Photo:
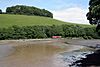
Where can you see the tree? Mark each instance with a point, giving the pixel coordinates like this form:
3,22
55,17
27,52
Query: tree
28,10
94,13
0,11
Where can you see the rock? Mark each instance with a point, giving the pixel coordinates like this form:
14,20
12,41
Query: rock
90,60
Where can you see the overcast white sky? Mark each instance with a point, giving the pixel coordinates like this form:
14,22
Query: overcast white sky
73,14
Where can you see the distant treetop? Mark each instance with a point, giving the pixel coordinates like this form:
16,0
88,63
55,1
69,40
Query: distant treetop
0,11
28,10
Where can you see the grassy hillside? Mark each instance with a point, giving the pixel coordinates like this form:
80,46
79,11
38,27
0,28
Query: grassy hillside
51,28
7,20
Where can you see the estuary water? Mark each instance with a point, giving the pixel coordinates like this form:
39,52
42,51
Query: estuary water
37,54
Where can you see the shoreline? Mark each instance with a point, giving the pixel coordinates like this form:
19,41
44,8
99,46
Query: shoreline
55,42
20,46
29,41
81,42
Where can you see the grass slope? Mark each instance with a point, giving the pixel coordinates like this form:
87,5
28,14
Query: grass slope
7,20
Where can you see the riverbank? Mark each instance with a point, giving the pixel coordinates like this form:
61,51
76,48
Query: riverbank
43,52
30,41
34,53
56,42
72,42
77,41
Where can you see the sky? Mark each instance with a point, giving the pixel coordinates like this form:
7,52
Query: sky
65,10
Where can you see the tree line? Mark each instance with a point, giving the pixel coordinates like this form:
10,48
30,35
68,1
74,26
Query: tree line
32,32
28,10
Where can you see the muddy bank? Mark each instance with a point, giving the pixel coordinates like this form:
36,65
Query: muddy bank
81,42
34,53
91,60
87,59
43,52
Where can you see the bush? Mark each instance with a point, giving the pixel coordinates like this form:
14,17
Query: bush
99,32
30,32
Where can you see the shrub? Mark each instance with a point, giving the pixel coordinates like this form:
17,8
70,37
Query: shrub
30,32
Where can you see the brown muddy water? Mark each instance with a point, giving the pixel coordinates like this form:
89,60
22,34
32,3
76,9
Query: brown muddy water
38,54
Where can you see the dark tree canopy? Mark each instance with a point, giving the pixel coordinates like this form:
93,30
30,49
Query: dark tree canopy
0,11
94,12
28,10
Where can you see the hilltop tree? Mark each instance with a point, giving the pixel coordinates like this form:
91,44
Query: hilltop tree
94,13
0,11
28,10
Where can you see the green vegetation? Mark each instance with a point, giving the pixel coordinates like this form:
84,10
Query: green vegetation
0,11
28,10
30,32
25,22
7,20
94,13
29,27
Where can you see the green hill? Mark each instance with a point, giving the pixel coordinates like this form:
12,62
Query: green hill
7,20
49,29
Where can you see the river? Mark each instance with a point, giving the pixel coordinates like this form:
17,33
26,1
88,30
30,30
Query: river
37,53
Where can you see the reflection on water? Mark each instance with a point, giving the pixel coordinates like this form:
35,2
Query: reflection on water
70,57
31,55
39,54
5,50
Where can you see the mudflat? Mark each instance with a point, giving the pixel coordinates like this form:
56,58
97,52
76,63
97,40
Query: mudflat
37,53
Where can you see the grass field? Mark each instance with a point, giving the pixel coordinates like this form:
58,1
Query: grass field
7,20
